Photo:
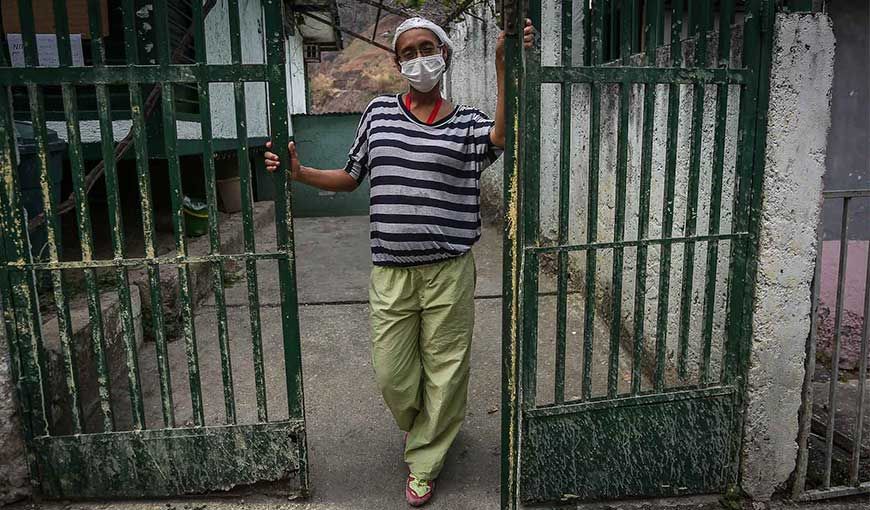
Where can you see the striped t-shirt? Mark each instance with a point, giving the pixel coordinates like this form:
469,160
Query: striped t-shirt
425,180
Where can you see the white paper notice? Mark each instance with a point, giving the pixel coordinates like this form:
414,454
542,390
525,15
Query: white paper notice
46,49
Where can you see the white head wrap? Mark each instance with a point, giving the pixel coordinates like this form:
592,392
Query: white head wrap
412,23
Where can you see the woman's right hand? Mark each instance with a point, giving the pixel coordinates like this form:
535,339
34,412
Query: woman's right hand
272,161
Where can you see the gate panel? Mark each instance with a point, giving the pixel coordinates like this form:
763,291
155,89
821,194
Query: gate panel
626,295
88,428
616,448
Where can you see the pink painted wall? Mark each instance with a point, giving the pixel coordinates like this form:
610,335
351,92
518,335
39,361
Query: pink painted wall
853,301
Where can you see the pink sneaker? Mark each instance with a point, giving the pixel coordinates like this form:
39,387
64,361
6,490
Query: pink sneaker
418,492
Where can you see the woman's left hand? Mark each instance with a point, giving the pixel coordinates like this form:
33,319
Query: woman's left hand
528,41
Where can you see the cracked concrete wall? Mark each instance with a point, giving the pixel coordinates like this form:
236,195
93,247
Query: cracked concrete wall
799,119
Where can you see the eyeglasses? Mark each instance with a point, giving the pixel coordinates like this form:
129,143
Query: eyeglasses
425,50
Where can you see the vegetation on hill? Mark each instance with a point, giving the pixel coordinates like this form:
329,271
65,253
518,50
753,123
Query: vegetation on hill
347,80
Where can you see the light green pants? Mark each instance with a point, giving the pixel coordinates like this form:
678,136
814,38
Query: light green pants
422,319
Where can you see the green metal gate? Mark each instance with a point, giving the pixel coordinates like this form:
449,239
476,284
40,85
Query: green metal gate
630,381
161,456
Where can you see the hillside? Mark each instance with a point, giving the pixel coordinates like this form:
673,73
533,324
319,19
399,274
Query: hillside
347,80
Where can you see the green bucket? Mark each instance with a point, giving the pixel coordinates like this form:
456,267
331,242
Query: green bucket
195,217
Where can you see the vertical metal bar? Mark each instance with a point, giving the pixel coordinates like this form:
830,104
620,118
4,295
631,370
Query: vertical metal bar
597,55
511,259
613,30
806,409
652,42
25,327
757,56
742,194
530,211
70,363
28,32
726,12
624,26
635,26
766,23
714,224
652,29
61,31
700,10
618,233
247,212
24,369
857,444
279,121
668,202
692,16
170,141
116,222
585,13
564,204
752,128
377,20
724,50
25,343
217,267
835,356
52,226
140,146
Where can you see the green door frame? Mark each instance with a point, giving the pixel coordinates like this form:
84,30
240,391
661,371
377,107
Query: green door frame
535,439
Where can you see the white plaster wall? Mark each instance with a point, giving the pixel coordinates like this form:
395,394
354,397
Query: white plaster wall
800,116
295,75
217,31
471,80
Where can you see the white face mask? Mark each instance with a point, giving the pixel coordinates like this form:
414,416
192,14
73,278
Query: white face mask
425,72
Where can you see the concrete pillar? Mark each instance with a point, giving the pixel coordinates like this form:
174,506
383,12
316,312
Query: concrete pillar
799,118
